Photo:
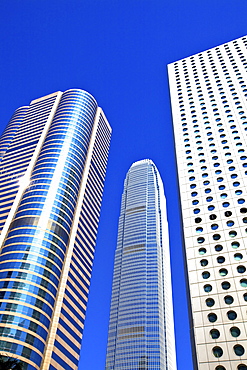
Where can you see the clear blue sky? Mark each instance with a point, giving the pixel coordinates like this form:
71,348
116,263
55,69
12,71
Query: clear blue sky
118,51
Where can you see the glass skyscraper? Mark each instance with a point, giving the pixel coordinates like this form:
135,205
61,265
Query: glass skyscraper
208,97
141,330
53,157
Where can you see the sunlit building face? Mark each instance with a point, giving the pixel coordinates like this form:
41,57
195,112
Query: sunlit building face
141,332
53,157
208,97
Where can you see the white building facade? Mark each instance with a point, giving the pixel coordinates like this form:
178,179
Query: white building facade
208,97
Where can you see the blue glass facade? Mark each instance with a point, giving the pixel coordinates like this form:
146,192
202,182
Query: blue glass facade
43,300
141,333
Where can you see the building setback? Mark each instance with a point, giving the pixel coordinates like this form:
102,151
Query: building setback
141,330
208,97
53,157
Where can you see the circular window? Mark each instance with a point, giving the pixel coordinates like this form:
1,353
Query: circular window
198,220
211,208
234,176
194,202
192,178
196,211
220,368
207,191
219,179
228,299
225,285
205,274
222,187
232,233
209,199
212,317
200,240
221,259
236,183
207,288
243,283
235,332
230,223
241,201
225,204
214,227
228,213
231,315
206,182
242,367
218,248
210,302
238,256
202,250
235,245
245,296
245,220
199,229
204,175
194,193
239,350
238,192
204,262
243,210
216,236
214,333
217,351
212,217
223,195
241,269
223,272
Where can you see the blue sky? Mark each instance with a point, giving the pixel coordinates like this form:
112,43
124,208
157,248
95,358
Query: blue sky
118,51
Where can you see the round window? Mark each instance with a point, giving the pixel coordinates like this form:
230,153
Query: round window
214,333
238,256
205,275
228,299
200,240
235,332
210,302
223,272
207,288
235,245
241,269
231,315
212,317
225,285
243,283
217,351
216,236
239,350
221,259
242,367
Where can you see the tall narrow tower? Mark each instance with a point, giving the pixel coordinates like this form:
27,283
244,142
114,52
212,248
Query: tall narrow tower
208,97
141,332
53,157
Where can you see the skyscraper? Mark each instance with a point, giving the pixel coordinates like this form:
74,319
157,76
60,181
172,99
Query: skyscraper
208,97
141,333
52,169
